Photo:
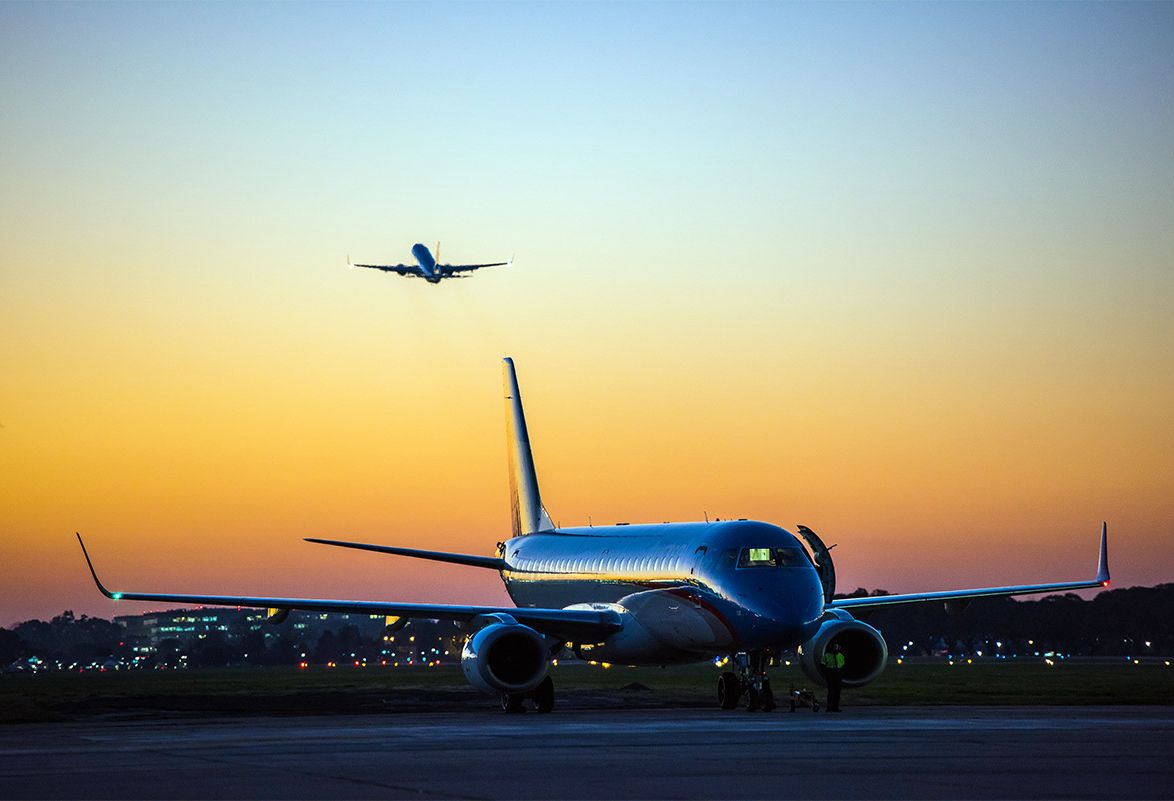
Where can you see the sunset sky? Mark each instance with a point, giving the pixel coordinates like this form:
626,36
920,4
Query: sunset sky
901,273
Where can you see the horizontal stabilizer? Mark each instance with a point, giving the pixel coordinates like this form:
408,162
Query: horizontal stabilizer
491,562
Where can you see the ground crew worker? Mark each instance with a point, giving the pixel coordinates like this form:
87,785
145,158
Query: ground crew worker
833,673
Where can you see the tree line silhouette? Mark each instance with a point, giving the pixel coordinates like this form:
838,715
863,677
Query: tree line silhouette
1137,621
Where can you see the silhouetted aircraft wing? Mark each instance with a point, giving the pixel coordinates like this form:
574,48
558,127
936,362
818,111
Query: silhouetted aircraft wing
448,269
1101,580
400,269
569,624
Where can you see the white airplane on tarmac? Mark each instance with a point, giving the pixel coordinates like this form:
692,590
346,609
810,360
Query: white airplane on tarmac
427,267
640,594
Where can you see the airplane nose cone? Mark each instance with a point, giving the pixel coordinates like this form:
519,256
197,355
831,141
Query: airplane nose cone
785,609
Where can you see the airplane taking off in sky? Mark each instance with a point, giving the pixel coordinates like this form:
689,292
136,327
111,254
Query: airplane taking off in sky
428,268
640,594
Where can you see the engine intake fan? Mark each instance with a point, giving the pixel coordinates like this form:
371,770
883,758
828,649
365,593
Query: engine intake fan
506,658
864,649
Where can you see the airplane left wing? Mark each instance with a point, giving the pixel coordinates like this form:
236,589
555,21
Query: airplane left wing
964,596
567,624
400,269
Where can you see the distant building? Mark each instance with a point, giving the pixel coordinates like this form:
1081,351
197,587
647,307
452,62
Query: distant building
421,642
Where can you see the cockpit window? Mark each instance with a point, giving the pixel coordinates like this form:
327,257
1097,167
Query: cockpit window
770,557
757,557
791,557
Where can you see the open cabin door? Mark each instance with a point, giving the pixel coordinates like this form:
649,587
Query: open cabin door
822,558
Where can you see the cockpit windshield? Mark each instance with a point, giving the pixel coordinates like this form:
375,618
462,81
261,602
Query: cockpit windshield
770,557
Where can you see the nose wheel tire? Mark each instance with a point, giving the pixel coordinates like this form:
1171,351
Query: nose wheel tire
767,697
753,699
729,690
512,703
750,682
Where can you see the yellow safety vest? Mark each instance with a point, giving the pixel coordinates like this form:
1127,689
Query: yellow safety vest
833,660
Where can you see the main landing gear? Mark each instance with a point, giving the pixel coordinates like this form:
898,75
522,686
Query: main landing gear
751,682
541,696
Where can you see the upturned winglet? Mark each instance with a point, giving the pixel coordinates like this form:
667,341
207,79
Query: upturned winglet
114,596
1103,562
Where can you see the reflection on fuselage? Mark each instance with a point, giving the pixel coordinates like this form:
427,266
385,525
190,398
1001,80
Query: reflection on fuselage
773,600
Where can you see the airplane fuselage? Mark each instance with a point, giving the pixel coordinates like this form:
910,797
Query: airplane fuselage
689,588
427,264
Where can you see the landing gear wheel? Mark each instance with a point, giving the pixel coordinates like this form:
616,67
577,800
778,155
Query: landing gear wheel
753,699
768,697
729,690
544,695
512,704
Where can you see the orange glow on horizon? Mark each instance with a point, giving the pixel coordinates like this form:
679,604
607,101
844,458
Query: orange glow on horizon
934,325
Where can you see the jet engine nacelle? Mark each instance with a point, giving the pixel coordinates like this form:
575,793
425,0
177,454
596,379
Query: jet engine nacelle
505,658
864,649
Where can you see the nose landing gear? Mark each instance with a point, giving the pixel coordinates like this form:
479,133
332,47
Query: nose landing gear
750,682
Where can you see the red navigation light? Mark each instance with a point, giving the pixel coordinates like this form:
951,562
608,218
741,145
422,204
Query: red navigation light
1105,583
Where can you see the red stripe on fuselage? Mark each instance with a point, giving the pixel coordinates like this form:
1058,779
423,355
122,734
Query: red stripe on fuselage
696,598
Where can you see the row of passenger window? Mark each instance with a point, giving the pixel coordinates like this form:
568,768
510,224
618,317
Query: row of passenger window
604,565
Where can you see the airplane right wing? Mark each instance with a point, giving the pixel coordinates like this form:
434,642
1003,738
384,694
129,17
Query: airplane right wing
964,596
449,269
578,625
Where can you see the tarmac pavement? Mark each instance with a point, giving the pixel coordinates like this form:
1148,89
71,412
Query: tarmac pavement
870,752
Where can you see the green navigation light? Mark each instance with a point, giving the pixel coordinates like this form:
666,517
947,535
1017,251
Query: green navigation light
118,596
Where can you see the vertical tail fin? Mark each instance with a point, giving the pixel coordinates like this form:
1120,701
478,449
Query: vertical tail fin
525,502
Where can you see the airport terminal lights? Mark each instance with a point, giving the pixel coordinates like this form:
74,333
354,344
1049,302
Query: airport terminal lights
309,637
